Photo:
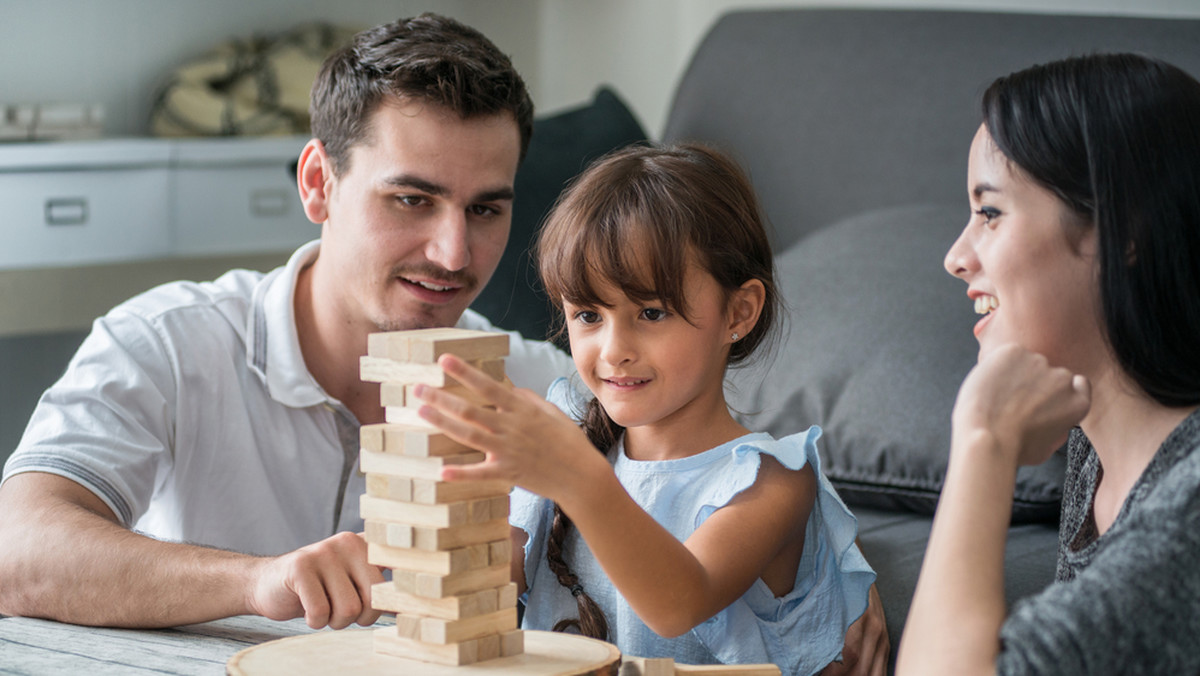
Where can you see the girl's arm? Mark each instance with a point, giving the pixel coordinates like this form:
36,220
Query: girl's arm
671,585
1012,409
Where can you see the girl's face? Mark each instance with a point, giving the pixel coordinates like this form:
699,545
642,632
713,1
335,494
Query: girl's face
1030,268
648,365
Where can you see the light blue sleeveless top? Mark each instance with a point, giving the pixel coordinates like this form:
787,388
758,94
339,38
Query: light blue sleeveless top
801,632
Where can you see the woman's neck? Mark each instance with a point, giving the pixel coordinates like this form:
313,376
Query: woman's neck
1126,427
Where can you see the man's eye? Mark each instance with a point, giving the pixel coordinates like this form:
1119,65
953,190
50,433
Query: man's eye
484,210
411,200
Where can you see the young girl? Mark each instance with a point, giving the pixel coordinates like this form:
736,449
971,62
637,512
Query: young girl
1082,256
686,536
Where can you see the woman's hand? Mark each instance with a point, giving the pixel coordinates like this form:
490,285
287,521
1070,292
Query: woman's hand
528,441
1026,405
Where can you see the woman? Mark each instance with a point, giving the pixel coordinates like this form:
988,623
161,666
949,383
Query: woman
1083,256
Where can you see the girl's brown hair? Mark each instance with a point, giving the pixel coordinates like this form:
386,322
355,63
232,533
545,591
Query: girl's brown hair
636,219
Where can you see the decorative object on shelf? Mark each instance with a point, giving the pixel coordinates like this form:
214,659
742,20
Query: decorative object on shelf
258,86
51,121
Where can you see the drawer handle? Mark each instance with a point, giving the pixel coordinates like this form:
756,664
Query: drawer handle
66,211
269,202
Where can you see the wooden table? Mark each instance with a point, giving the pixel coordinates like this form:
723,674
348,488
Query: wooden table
30,646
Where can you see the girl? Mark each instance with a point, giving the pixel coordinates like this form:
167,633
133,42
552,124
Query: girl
686,536
1082,255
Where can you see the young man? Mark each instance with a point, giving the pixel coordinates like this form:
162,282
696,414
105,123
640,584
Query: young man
225,415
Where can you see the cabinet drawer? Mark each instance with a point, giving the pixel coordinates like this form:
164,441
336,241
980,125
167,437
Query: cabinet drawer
55,218
238,209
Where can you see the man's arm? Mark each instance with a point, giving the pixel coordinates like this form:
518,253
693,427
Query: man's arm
64,556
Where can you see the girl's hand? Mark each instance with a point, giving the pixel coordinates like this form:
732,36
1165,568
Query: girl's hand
1022,402
528,441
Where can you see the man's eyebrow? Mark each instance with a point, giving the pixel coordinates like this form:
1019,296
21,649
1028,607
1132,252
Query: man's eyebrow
416,182
497,195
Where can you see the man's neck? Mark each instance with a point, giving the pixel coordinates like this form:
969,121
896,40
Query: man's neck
331,348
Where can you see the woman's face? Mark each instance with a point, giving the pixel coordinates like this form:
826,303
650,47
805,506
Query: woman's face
1029,264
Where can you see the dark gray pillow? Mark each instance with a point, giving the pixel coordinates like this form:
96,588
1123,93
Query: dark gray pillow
877,342
562,146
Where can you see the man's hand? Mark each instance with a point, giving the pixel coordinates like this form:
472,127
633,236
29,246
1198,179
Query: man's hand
867,645
328,583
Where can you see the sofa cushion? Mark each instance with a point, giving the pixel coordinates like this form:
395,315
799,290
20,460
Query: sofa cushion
877,342
562,146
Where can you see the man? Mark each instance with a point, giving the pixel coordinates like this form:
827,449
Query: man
226,414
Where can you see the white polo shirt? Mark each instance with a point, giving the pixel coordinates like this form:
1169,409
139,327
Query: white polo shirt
189,411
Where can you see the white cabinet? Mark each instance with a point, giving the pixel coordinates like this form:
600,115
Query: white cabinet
133,199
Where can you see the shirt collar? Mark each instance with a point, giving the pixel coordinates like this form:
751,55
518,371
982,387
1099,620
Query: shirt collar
273,350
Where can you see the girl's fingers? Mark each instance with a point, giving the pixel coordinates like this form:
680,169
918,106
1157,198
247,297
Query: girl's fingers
475,380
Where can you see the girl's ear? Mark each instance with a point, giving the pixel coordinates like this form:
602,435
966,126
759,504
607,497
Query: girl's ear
745,305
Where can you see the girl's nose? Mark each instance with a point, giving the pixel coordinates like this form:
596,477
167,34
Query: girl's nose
618,347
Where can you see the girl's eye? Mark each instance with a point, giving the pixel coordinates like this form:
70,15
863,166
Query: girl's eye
654,314
586,317
989,214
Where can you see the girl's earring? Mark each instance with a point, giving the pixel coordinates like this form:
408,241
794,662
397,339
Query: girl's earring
734,337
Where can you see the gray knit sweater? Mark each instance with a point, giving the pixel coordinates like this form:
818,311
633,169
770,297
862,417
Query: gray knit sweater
1128,601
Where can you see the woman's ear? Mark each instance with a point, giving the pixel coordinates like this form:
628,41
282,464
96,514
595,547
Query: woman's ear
745,305
314,180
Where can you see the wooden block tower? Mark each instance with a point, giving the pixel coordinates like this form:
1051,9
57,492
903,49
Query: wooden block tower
447,543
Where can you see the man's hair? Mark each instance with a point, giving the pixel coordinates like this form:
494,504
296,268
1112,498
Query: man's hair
428,58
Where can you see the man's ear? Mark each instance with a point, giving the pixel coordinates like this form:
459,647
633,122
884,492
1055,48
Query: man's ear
314,179
745,305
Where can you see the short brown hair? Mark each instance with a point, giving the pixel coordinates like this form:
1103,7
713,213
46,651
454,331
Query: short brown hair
429,57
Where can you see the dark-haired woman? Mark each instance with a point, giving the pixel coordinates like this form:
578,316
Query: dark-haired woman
1083,256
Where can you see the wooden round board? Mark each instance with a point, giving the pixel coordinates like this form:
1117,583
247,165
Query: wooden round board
351,651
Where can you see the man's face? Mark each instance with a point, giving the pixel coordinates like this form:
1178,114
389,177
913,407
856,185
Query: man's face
418,220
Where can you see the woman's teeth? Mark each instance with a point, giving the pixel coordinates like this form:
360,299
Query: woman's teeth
985,304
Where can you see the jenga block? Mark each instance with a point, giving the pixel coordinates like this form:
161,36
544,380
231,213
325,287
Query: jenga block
377,370
421,442
489,647
437,630
437,562
389,487
499,507
506,596
499,552
388,642
408,626
385,596
406,415
424,346
415,514
440,586
512,643
432,492
399,394
416,468
390,534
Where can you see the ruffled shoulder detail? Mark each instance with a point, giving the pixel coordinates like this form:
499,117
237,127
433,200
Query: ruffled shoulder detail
793,452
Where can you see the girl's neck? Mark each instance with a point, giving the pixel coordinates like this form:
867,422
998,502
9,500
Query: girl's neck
684,437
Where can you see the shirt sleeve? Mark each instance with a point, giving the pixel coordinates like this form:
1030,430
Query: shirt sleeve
107,423
1132,611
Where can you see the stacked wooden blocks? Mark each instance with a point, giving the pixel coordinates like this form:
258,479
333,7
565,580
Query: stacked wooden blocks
447,543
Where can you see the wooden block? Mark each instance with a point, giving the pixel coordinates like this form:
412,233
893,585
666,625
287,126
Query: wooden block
440,586
432,492
408,626
424,346
506,596
399,394
436,562
388,642
489,647
420,442
385,596
406,415
437,630
416,468
512,643
390,487
390,534
414,514
648,666
378,370
499,507
499,552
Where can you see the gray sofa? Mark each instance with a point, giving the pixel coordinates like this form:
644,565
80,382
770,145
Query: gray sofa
854,126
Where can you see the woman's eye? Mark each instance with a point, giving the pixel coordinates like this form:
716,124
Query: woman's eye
654,314
989,214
